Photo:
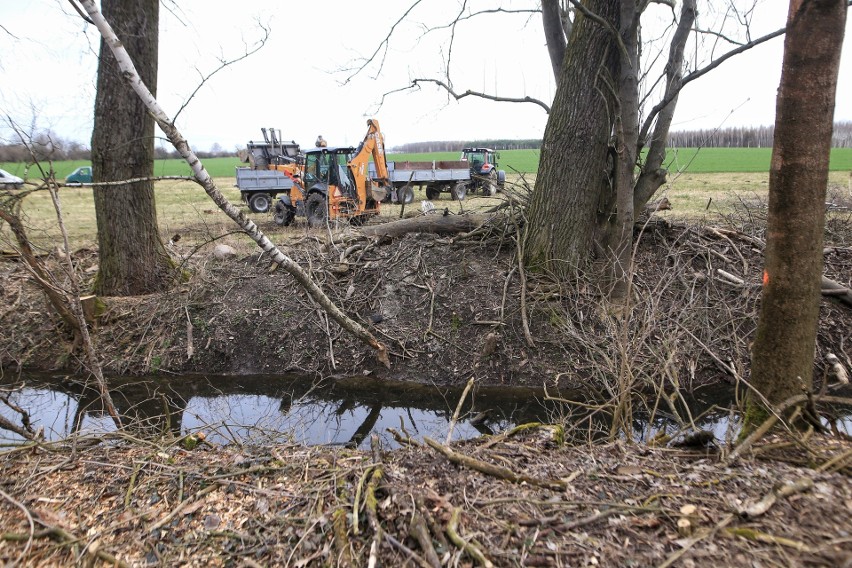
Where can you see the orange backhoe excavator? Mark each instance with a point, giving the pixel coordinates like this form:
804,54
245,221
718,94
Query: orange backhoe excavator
335,183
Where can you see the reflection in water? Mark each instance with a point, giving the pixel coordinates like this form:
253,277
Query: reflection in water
263,410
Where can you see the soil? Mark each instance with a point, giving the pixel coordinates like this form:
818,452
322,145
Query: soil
449,309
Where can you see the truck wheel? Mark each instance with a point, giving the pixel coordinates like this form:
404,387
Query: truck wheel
316,210
432,193
459,191
490,185
283,215
260,202
405,194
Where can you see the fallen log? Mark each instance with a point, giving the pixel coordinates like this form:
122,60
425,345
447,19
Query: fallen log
836,291
432,223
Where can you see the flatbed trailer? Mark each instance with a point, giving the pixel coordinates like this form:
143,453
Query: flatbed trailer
258,188
439,176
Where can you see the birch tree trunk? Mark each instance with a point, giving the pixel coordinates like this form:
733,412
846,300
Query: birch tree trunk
783,351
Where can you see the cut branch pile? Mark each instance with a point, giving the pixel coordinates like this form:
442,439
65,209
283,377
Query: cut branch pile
519,499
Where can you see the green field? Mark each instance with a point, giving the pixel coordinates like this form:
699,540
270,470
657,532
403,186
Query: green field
692,160
685,160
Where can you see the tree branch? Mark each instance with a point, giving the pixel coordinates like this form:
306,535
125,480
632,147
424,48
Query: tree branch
646,126
469,93
223,64
384,43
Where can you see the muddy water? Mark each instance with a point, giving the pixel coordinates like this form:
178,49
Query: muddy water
262,410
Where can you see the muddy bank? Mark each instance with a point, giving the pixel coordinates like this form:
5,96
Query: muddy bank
448,311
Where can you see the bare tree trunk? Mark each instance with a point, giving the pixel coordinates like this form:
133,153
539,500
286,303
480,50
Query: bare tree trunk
132,257
783,351
572,173
653,174
627,136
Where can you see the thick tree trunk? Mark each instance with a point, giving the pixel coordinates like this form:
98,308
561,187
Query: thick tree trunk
572,174
783,351
133,259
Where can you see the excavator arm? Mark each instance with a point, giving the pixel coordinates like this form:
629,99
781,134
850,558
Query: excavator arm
373,145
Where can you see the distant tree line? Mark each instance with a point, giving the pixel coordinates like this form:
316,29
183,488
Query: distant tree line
47,146
748,137
456,145
216,151
44,146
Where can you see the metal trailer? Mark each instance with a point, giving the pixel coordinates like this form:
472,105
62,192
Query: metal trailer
258,188
437,177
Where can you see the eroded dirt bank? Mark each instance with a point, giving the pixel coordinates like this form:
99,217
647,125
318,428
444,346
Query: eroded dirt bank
448,310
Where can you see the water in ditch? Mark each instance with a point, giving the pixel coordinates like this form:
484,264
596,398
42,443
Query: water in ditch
264,409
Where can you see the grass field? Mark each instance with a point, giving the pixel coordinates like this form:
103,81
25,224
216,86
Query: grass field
684,160
184,208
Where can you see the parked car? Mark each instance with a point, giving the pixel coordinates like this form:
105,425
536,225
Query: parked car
80,176
9,181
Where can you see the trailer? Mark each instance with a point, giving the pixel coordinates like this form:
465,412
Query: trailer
436,177
258,188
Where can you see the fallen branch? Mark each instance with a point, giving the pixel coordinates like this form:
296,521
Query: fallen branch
455,417
491,469
761,507
456,538
758,536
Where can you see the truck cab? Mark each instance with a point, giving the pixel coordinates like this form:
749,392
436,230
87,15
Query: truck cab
80,176
483,169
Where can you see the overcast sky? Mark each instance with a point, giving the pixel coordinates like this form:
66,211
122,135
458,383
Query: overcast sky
297,82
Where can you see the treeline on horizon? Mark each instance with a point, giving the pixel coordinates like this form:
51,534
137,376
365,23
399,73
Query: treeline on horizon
731,137
46,146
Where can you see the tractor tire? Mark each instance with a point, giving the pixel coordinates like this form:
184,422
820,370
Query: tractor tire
316,210
283,215
489,186
260,202
459,191
405,194
432,193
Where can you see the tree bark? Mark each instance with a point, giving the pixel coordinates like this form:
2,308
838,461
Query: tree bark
783,351
620,228
572,173
132,257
